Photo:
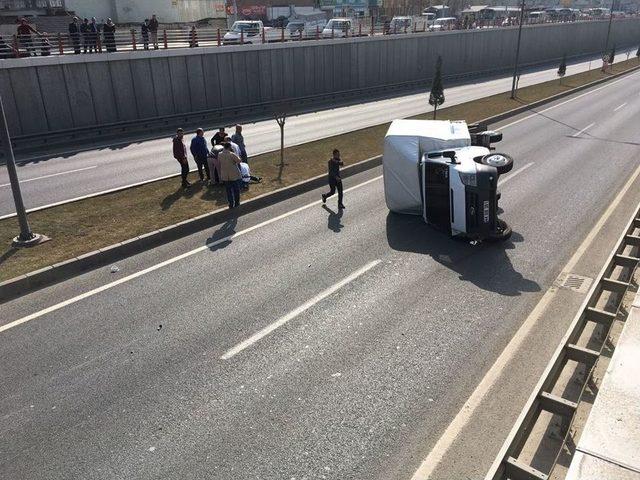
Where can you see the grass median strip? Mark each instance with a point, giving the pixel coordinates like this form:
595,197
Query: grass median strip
87,225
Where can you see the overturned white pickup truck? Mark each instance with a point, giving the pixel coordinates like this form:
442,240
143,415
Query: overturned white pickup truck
446,172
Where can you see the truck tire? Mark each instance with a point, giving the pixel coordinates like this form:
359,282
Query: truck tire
503,232
501,161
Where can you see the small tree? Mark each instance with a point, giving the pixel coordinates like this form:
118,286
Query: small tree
612,55
436,97
280,114
562,69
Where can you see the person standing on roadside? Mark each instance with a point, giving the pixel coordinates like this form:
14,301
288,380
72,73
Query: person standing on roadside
200,152
109,31
219,137
24,36
74,34
238,139
230,174
144,30
84,30
180,154
335,182
94,30
153,31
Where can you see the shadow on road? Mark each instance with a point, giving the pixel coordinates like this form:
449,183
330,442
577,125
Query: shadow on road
334,220
226,229
486,265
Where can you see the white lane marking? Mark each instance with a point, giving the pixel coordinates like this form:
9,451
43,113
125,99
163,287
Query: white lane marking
52,175
619,107
573,99
294,313
153,268
463,417
502,181
577,134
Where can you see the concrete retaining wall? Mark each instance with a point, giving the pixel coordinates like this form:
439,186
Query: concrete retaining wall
59,93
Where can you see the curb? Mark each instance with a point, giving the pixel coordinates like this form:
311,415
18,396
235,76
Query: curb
59,272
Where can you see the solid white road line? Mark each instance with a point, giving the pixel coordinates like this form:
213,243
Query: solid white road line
294,313
504,180
619,107
573,99
583,130
52,175
463,417
160,265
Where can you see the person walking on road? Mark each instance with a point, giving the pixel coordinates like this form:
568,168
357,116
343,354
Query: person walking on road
230,174
238,139
200,152
180,154
335,182
153,31
74,34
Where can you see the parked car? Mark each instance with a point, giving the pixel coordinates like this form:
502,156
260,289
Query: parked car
305,28
251,31
446,23
539,16
338,27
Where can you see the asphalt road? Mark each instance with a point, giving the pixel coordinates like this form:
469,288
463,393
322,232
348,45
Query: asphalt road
312,344
51,179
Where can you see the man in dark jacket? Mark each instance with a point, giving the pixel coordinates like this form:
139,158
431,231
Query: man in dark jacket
180,154
74,34
144,30
335,182
200,152
86,35
153,30
219,137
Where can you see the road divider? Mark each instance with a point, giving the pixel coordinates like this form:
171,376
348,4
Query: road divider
256,337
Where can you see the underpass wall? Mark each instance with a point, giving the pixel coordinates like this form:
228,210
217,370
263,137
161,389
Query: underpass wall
43,95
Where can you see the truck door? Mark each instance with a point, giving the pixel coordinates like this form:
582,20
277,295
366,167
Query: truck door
436,201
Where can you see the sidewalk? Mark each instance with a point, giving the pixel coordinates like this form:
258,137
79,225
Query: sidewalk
609,447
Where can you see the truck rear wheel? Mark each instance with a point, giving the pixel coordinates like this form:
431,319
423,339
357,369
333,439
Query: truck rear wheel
502,233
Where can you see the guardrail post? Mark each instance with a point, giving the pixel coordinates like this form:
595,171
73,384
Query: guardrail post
317,32
332,31
133,39
359,29
282,34
99,43
300,35
60,44
166,40
241,37
264,39
372,26
219,40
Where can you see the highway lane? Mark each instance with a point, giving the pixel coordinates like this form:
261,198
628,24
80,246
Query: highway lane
131,381
73,175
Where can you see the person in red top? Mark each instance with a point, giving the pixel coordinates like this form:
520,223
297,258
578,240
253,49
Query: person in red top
180,154
24,36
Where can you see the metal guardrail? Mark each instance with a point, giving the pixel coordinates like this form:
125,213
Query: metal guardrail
132,39
600,309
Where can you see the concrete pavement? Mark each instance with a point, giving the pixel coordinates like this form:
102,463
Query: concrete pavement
128,379
60,177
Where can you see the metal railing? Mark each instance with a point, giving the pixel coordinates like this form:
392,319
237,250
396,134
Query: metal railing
576,356
133,39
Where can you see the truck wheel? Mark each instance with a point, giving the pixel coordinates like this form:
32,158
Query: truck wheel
501,161
502,233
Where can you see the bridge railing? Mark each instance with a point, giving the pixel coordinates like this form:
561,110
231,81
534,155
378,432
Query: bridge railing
132,39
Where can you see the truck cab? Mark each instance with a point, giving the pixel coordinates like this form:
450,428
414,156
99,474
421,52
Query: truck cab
446,172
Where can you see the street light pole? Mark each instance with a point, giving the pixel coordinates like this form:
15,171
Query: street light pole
26,238
606,45
515,67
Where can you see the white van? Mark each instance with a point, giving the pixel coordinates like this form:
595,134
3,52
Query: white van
446,23
401,25
338,28
537,17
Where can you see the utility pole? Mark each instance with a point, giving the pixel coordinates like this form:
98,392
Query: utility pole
515,67
26,238
606,45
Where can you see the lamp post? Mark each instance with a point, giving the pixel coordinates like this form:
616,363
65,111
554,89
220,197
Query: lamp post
515,67
606,45
26,238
